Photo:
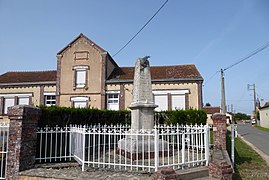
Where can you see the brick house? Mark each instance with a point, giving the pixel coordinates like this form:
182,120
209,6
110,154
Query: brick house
87,76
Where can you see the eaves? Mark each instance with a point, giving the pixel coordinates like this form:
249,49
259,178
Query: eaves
199,79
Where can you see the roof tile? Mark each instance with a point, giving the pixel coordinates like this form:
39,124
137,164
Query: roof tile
26,77
159,72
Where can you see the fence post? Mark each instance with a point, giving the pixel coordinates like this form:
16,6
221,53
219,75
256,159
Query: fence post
232,146
83,147
156,137
22,139
207,144
183,147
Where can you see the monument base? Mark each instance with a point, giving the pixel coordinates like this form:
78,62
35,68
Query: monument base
136,149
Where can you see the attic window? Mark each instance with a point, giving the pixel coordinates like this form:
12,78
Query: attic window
81,55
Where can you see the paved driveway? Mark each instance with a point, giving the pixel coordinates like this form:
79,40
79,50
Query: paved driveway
258,138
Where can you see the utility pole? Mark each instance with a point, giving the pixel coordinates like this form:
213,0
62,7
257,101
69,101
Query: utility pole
252,87
223,100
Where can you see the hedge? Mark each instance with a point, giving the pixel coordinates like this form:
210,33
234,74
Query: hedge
190,116
64,116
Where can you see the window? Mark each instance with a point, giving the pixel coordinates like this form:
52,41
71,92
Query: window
113,101
177,99
80,102
8,102
178,102
23,100
162,102
49,98
14,99
80,76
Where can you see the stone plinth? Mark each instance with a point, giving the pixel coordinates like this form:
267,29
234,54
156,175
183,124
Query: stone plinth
137,146
142,116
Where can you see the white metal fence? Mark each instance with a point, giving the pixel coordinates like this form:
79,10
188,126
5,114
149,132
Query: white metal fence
4,131
97,146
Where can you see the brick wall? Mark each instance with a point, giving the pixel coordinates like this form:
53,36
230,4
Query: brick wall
219,129
22,139
220,166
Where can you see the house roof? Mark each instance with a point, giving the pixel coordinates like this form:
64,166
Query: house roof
176,72
15,78
77,38
265,106
158,73
211,110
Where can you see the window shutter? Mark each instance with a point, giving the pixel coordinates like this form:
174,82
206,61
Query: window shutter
8,103
23,101
81,78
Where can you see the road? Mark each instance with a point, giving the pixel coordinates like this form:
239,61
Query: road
258,138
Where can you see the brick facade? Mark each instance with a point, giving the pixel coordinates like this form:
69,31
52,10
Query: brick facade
22,139
219,129
220,166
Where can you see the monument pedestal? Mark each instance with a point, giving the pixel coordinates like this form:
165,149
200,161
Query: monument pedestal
137,148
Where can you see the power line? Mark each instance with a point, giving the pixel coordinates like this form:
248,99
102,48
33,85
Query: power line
211,77
140,29
249,56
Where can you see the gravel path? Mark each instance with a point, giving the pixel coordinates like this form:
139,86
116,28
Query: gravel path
73,171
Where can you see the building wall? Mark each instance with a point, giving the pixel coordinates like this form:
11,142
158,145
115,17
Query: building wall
192,87
264,117
36,94
67,74
34,90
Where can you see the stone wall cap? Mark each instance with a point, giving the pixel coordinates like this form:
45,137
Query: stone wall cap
219,116
20,110
141,105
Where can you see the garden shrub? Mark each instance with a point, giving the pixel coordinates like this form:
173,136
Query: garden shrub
190,116
64,116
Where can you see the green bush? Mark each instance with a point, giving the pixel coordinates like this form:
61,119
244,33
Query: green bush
63,116
190,116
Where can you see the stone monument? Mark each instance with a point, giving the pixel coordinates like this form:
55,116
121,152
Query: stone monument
142,105
142,115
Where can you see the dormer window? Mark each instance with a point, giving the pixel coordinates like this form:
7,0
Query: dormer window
80,80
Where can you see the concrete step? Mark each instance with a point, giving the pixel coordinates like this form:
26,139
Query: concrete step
194,173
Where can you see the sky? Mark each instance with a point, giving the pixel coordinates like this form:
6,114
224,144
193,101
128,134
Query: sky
211,34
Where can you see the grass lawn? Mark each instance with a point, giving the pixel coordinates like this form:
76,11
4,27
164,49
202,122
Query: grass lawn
262,128
248,164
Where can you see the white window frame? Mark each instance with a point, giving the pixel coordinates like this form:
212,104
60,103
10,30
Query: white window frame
12,96
113,101
173,93
81,75
49,102
81,100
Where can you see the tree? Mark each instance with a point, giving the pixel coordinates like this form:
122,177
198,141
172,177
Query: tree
207,104
241,116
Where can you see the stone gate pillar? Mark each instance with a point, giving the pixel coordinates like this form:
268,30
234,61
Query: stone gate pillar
22,139
219,129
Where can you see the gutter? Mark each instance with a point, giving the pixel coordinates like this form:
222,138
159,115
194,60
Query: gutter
28,83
